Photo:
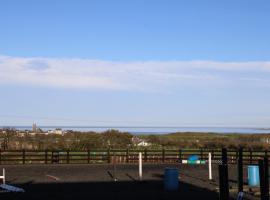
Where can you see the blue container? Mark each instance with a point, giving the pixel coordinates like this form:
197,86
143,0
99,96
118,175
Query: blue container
171,182
193,158
253,175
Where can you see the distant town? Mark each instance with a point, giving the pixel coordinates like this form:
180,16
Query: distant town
38,139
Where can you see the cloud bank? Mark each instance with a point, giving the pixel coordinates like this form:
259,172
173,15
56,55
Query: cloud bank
116,75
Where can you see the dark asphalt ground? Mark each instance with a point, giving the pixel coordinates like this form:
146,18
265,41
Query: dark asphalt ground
68,181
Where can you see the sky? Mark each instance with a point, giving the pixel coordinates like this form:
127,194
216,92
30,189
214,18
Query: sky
135,63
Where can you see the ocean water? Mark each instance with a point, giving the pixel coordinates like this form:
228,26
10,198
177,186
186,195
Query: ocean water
155,130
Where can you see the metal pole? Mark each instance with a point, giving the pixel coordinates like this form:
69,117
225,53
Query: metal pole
4,176
210,165
140,166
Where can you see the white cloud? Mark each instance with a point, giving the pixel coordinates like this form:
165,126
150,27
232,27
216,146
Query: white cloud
113,75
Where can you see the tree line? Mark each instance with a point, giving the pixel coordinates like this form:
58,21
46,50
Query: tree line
11,139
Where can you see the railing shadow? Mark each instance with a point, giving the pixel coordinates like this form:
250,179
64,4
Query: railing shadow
120,190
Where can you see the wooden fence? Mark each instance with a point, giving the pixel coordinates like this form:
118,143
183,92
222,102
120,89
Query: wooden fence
121,156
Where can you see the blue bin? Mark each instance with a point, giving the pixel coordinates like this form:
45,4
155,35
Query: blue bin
253,175
193,158
171,182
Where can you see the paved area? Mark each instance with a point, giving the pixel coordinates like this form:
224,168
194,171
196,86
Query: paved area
68,181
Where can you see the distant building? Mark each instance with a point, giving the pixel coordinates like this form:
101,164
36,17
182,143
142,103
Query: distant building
57,131
34,128
143,144
21,134
140,142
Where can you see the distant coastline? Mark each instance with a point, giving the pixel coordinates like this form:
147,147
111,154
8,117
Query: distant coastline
153,129
267,129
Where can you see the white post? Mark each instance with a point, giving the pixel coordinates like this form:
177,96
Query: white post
3,177
140,166
210,165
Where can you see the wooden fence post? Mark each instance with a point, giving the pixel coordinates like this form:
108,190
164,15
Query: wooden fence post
52,156
250,156
236,157
127,155
180,156
145,155
163,155
23,155
114,167
240,169
213,154
201,154
68,156
266,177
224,156
0,156
223,182
262,179
46,156
88,156
109,155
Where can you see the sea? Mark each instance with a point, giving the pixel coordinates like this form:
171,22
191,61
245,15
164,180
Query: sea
154,130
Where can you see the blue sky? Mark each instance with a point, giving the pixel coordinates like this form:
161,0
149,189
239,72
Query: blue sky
135,63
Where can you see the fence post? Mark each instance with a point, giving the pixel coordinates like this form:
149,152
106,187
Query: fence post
46,156
180,156
210,165
114,167
140,166
240,169
262,179
88,156
223,182
145,155
163,155
201,154
23,155
250,156
224,156
213,154
236,156
266,177
127,155
0,156
68,156
109,155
